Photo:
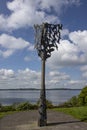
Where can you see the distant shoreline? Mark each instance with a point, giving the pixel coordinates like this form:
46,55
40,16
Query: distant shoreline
40,89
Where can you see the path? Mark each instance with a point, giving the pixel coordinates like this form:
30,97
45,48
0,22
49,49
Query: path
28,121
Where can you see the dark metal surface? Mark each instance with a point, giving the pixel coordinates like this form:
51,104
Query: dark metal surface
47,37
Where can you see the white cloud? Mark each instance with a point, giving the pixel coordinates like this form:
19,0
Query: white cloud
27,58
83,68
6,74
85,74
84,71
79,38
7,53
57,4
58,75
10,44
71,52
64,32
28,12
76,84
3,22
31,48
21,79
28,78
55,79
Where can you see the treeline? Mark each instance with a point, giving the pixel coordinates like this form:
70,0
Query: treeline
24,106
76,101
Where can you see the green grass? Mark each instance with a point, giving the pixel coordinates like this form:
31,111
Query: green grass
2,114
77,112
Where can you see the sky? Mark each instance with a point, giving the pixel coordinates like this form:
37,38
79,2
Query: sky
20,66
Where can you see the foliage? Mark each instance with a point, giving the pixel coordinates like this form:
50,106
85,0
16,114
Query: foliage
7,108
82,97
0,106
74,101
80,100
18,107
71,103
25,106
77,112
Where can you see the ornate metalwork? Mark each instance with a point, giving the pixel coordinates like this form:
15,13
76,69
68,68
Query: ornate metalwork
47,37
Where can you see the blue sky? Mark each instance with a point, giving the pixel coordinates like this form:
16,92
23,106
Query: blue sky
19,64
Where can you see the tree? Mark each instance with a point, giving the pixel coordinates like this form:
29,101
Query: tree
82,97
74,101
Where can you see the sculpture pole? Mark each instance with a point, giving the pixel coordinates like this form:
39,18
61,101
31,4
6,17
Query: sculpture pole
46,37
42,121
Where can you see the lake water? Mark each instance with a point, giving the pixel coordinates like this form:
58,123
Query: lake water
8,97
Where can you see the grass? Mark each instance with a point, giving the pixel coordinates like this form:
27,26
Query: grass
77,112
2,114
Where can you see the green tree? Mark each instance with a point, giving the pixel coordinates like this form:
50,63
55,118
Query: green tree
0,106
82,97
74,101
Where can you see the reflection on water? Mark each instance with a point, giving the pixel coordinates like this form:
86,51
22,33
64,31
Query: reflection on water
8,97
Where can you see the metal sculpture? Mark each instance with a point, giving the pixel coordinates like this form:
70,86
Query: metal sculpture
47,37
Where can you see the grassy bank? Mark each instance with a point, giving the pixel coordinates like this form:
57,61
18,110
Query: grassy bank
2,114
77,112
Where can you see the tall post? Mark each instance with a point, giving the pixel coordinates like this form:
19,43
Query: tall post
46,37
42,121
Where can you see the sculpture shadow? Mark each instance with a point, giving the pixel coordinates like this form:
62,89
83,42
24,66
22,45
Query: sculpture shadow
58,123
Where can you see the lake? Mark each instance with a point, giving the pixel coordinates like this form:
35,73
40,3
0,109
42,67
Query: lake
8,97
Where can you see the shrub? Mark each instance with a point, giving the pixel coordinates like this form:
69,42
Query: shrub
0,106
23,106
73,101
82,98
26,106
7,108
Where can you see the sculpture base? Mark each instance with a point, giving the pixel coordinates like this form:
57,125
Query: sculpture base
42,123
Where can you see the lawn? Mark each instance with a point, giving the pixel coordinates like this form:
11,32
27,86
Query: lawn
77,112
2,114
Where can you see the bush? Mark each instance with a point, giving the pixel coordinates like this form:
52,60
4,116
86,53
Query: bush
82,98
26,106
0,106
7,108
73,101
